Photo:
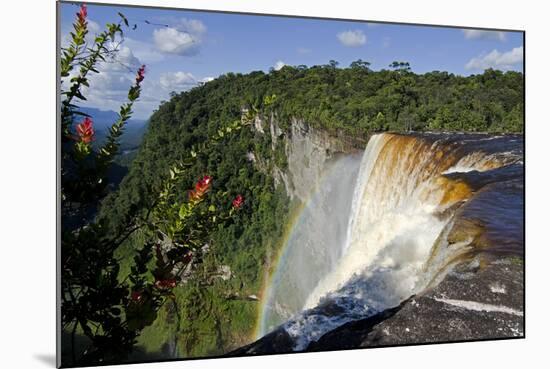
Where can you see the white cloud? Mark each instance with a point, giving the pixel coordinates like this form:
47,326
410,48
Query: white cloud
123,60
477,34
497,60
180,81
93,28
279,65
109,88
207,79
177,81
193,26
182,39
352,38
172,41
144,51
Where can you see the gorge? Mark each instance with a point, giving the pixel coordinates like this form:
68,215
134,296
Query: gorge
260,210
347,214
393,222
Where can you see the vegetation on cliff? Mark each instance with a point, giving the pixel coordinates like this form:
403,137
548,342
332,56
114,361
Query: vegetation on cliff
116,280
357,100
213,314
163,264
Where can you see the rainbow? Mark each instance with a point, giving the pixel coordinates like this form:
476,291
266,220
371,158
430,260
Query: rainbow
400,202
296,213
277,261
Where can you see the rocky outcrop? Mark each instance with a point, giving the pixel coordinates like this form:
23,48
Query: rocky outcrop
478,300
473,302
475,271
307,151
278,341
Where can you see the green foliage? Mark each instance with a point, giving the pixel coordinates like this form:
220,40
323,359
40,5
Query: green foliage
353,101
97,303
356,100
400,66
150,268
360,65
243,244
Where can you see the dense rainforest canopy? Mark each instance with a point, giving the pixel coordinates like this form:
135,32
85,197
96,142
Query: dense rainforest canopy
212,315
357,99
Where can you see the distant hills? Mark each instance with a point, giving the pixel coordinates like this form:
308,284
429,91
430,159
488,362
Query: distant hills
104,119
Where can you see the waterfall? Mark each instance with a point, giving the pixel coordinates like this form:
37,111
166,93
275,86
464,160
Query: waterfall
310,250
398,204
395,217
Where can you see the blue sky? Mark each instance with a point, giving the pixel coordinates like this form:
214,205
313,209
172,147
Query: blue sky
183,48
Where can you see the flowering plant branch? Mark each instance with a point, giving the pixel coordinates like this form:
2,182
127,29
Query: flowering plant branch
87,65
109,312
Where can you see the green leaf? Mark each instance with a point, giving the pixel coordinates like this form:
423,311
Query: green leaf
81,113
184,211
123,18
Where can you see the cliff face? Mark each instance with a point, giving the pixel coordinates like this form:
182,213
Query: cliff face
306,153
474,292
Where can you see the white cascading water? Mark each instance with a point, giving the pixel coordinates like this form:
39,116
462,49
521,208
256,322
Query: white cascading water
365,169
393,224
310,248
394,221
399,214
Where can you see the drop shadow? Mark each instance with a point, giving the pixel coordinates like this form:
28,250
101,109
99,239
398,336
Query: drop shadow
47,359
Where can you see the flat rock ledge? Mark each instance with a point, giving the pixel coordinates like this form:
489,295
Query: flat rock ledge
475,301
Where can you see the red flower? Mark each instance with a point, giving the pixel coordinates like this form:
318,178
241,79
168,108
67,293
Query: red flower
136,296
166,283
85,130
188,257
201,188
140,74
238,202
82,14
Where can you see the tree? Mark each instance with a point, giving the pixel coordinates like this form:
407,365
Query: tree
109,312
360,64
400,66
343,101
332,64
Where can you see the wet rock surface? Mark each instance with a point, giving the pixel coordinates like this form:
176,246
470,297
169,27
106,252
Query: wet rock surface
479,299
278,341
475,271
473,302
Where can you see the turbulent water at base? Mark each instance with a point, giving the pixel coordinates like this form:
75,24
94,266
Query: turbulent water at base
375,232
311,251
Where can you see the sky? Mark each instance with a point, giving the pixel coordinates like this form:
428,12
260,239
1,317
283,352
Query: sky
182,49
